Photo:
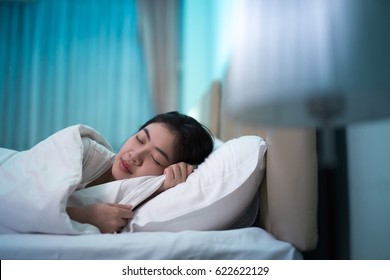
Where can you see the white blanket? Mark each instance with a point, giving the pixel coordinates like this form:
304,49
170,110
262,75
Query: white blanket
37,185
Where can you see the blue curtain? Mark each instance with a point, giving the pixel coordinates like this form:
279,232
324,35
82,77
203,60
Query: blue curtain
65,62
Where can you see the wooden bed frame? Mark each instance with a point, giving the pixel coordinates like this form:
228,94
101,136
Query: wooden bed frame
288,194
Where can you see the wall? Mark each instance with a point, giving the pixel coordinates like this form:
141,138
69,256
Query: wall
369,188
206,43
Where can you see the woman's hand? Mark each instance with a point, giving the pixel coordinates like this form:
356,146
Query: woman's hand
108,217
175,174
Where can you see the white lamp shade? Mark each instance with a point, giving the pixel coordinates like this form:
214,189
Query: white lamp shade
309,63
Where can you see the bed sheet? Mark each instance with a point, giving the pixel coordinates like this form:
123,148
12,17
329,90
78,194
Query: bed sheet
247,243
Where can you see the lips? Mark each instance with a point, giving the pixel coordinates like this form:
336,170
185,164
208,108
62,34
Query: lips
123,165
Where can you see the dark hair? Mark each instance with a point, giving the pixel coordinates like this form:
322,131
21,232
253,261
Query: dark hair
194,141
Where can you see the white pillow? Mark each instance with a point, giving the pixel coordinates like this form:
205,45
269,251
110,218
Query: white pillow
215,195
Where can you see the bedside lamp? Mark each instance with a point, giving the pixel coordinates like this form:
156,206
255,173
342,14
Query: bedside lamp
304,63
311,63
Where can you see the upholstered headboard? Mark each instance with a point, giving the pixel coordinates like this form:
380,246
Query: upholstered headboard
288,195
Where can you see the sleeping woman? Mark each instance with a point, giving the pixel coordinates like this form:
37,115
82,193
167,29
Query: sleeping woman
169,144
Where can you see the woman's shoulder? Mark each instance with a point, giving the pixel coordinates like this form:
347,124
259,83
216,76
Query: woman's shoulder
96,160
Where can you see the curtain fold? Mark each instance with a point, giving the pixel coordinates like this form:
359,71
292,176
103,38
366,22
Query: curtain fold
159,32
70,61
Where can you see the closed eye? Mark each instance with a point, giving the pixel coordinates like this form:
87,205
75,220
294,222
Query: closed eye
139,139
156,161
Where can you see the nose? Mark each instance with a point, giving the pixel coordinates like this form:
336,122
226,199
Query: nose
136,157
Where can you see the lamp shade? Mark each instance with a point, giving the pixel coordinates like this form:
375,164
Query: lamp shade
310,63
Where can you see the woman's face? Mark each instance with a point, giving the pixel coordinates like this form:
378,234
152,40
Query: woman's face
148,152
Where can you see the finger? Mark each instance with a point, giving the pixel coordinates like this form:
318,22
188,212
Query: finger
121,227
169,173
177,172
122,206
127,214
125,221
190,168
186,169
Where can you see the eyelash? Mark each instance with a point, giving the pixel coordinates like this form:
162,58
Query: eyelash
140,141
155,161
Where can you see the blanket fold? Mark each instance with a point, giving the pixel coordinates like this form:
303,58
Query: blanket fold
37,185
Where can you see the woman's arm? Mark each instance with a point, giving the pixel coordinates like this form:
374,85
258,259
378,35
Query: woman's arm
108,217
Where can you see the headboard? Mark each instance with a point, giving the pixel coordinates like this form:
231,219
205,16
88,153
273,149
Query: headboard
288,194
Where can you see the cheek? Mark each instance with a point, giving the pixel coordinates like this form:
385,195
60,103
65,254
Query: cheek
127,145
150,169
117,173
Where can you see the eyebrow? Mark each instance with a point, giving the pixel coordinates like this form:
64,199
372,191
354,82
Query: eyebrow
157,148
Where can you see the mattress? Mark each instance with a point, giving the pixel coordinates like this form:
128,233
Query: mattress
243,244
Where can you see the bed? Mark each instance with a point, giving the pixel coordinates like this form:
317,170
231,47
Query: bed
269,213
